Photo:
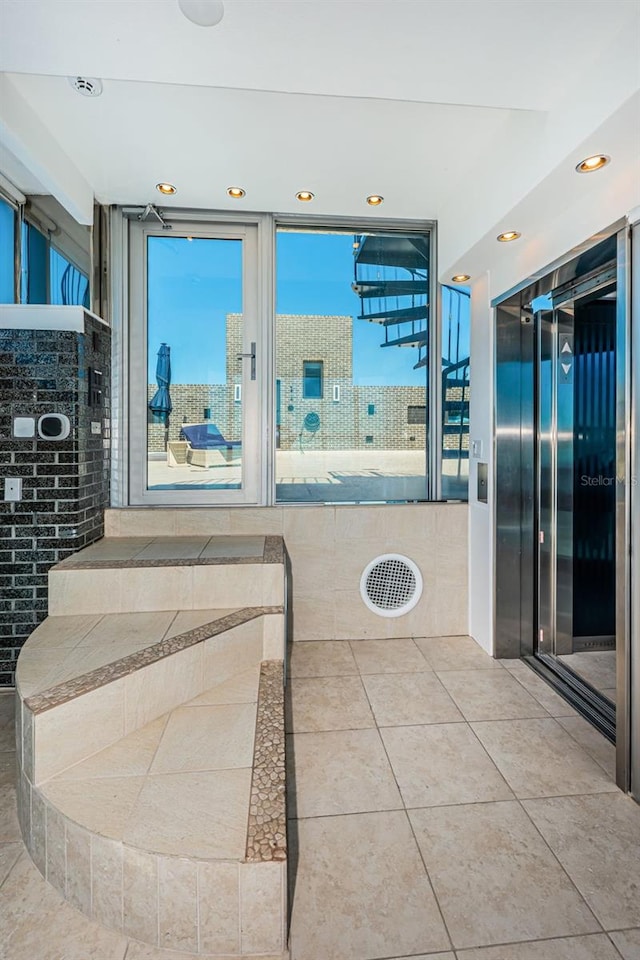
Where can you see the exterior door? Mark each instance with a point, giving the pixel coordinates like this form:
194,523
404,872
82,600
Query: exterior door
196,366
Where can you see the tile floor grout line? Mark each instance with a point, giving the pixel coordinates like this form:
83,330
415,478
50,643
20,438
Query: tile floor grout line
517,943
21,850
614,945
516,719
512,789
531,694
384,726
580,746
408,819
575,739
160,739
348,813
557,859
572,796
181,773
170,624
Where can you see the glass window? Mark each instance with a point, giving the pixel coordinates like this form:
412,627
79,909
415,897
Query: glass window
312,379
194,389
34,274
67,284
455,393
7,253
352,326
417,414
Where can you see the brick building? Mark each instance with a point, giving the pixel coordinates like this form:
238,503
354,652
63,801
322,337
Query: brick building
318,404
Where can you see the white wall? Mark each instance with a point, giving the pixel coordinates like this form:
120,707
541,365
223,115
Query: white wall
481,431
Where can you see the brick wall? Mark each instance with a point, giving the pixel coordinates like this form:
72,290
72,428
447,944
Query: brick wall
345,424
65,483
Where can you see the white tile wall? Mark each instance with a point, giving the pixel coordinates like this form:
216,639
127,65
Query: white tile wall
329,547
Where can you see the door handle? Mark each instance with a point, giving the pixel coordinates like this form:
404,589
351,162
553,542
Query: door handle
241,356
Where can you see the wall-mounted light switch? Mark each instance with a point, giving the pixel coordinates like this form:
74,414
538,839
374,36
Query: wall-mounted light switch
13,488
476,449
24,427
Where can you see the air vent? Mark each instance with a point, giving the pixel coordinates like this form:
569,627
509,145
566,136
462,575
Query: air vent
391,585
87,86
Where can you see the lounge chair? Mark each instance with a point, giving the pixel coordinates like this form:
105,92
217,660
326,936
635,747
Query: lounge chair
205,446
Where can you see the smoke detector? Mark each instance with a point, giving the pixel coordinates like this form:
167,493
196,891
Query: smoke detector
87,86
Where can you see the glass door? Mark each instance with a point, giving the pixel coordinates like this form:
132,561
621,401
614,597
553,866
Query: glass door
576,483
195,364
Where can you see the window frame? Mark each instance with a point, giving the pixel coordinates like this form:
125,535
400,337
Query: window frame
308,380
15,211
27,225
434,347
268,224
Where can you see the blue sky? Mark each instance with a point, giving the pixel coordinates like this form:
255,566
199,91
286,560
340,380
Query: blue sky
192,285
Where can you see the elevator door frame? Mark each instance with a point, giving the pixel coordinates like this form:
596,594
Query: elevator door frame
515,504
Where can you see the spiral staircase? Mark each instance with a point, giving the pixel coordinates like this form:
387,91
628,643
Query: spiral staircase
391,278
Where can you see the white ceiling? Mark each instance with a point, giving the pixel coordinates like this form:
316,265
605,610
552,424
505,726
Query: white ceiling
16,172
521,54
452,109
475,52
204,139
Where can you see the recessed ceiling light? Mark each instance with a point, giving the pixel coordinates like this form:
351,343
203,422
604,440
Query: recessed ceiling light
204,13
597,162
374,200
509,235
304,195
461,278
167,189
236,193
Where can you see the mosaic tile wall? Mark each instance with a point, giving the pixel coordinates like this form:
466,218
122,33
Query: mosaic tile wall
65,484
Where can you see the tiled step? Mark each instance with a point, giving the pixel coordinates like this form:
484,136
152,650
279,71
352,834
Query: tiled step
85,682
176,834
151,745
168,573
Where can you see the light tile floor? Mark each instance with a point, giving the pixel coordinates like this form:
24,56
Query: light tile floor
445,805
437,814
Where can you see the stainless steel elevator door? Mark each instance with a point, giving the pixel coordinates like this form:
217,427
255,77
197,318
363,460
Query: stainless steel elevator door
575,482
529,591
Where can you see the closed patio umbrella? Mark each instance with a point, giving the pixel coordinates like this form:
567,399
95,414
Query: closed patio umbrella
160,404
